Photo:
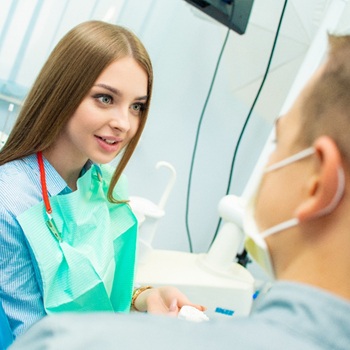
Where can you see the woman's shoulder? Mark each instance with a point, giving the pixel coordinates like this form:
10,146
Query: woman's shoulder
17,171
19,183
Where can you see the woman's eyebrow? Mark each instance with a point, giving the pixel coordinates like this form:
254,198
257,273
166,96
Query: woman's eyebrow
142,98
110,88
117,92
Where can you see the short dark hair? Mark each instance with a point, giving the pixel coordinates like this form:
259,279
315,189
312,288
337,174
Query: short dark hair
326,103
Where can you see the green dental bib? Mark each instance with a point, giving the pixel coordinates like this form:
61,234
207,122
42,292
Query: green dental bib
92,267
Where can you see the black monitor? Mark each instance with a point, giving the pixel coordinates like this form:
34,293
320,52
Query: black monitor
232,13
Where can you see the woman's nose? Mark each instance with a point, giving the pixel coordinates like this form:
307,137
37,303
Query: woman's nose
120,119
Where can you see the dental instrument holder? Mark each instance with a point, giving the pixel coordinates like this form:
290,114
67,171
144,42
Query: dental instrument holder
213,279
149,214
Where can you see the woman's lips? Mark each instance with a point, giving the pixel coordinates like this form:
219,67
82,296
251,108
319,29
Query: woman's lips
108,143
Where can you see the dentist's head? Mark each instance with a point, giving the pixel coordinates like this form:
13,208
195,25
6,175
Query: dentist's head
298,221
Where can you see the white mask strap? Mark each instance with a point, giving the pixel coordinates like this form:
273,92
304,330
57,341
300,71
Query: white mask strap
280,227
294,158
328,209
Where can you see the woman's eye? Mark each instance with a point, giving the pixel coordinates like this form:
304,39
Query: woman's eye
105,99
137,107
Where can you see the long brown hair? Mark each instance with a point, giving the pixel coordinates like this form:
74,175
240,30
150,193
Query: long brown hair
65,79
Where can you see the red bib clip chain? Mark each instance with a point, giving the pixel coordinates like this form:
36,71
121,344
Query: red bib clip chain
50,221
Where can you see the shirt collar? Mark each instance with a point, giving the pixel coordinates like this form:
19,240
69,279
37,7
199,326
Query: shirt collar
54,182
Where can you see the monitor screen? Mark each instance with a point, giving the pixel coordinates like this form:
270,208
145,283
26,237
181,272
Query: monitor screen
231,13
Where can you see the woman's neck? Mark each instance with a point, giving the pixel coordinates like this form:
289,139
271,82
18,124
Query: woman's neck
68,168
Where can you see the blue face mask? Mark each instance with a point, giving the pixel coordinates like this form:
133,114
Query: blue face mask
255,240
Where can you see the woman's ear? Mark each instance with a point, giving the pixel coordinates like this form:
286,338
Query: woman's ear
326,186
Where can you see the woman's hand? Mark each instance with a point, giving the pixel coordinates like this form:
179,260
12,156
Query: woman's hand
163,300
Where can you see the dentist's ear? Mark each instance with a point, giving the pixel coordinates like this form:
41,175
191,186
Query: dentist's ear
326,186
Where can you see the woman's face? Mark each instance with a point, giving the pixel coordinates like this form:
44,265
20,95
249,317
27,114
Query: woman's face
109,115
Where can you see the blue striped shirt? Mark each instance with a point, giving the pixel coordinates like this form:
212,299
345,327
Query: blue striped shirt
20,282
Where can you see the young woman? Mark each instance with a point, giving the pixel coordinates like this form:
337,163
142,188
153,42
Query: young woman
67,234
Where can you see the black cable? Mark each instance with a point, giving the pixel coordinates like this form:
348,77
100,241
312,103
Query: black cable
198,132
251,111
